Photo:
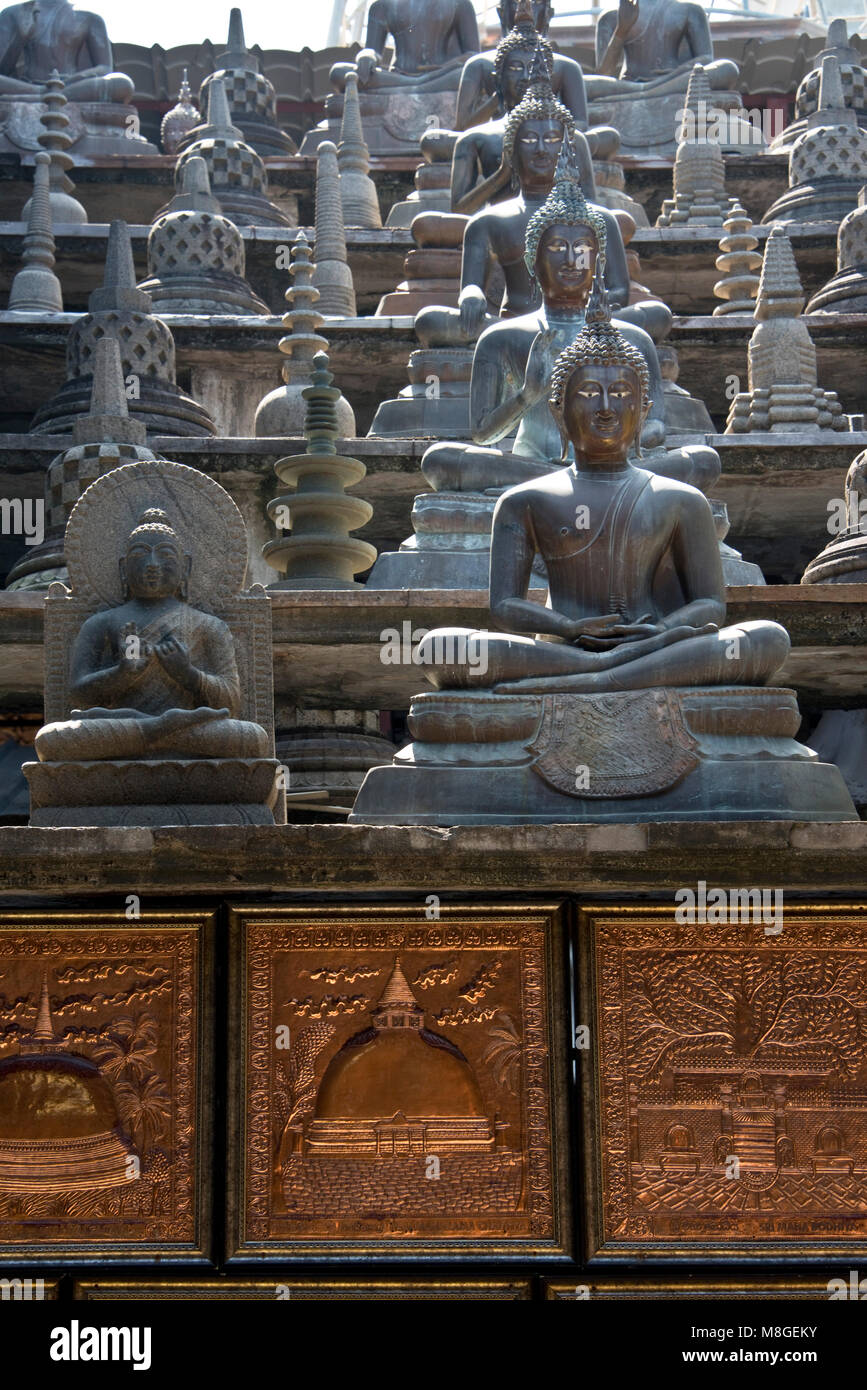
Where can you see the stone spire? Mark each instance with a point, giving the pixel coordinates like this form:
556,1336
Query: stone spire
854,85
332,278
237,172
106,437
283,411
738,259
118,310
699,168
44,1030
55,138
828,163
196,256
783,394
320,553
183,118
251,97
36,288
846,291
357,189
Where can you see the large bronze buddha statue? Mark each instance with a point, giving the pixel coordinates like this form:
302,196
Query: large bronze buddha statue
490,78
432,38
43,35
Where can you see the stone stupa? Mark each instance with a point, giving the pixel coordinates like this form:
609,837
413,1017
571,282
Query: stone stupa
251,96
36,289
846,291
738,260
357,189
828,163
699,168
332,276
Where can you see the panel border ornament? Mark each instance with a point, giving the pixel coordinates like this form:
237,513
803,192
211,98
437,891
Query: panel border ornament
254,931
614,1230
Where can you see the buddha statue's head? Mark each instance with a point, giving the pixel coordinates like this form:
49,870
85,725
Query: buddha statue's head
600,390
521,12
565,239
533,136
521,57
154,565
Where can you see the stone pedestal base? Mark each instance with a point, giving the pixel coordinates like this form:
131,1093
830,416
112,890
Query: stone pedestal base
702,754
394,119
648,125
191,791
436,404
96,128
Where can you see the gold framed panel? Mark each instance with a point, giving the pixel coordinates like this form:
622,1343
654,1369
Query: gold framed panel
725,1086
591,1289
106,1039
307,1290
414,1103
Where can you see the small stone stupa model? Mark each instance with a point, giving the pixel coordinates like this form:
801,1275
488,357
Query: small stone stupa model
783,395
699,168
36,289
252,98
55,138
332,276
844,559
357,189
237,173
183,118
828,163
282,412
320,553
738,260
196,256
846,291
118,310
159,702
106,437
852,74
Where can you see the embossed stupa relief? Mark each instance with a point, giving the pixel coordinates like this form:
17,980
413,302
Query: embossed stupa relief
846,291
854,82
738,260
106,437
159,700
402,1050
100,1086
357,189
55,138
332,275
36,289
196,257
784,395
251,96
828,163
118,310
319,553
238,176
183,117
725,1126
699,168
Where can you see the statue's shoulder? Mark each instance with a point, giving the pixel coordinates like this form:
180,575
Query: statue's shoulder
683,495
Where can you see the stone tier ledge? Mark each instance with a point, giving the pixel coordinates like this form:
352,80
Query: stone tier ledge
363,861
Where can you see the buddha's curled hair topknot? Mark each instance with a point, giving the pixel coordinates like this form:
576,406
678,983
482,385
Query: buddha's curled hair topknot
522,39
154,519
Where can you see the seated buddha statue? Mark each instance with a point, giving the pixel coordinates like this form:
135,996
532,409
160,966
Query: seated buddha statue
154,677
649,47
521,23
37,38
432,39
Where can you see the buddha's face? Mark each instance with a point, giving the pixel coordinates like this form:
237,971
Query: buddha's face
153,566
537,148
565,264
542,12
515,77
602,409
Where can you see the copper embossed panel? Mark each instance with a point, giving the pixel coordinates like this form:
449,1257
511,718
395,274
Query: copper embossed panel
396,1086
730,1083
100,1083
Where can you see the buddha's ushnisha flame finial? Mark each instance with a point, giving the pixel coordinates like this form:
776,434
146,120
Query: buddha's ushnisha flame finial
599,343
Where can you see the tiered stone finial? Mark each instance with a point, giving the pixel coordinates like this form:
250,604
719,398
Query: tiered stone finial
121,311
846,291
320,553
283,411
251,97
332,277
828,163
854,80
237,172
55,138
738,259
105,437
699,168
196,256
783,395
183,118
844,559
36,288
357,189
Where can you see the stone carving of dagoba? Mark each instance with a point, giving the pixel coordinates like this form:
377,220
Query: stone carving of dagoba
37,40
625,698
645,52
846,291
59,1126
159,684
251,96
432,39
844,559
854,81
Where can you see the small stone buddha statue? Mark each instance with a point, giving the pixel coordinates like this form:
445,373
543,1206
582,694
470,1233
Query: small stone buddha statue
154,677
431,39
37,38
